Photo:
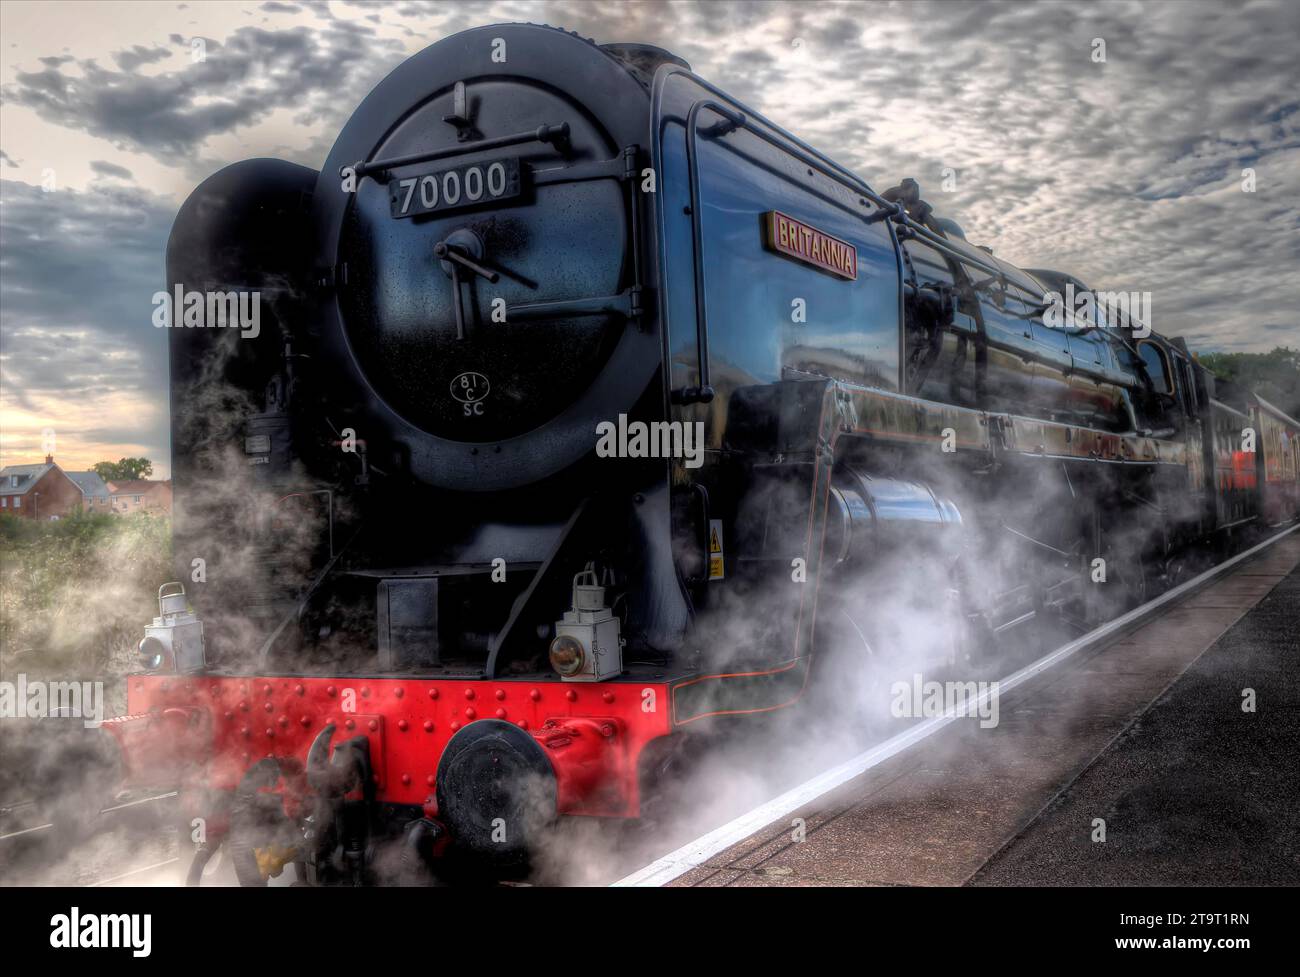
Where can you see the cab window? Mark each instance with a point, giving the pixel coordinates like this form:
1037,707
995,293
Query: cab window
1158,369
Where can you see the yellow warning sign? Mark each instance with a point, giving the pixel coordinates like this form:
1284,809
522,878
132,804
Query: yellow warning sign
715,549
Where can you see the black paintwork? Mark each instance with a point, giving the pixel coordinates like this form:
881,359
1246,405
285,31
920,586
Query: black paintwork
473,438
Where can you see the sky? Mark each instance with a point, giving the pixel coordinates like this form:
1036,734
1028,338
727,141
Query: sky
1134,172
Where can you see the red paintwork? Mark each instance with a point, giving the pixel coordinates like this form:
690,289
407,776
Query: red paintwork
1243,470
204,732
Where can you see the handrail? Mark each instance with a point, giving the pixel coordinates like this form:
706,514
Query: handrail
703,393
554,134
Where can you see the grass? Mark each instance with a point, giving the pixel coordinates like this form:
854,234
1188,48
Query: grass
76,594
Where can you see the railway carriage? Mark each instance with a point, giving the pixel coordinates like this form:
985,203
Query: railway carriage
1278,454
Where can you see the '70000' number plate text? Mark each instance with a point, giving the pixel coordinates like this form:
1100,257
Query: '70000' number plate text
461,186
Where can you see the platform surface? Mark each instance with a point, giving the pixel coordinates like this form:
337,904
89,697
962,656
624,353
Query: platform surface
1147,735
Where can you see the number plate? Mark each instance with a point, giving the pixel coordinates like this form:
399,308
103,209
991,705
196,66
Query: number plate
460,186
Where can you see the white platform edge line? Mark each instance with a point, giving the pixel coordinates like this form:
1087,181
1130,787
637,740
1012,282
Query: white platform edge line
697,852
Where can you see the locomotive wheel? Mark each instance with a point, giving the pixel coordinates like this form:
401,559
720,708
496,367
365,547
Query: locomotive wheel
1135,579
199,865
1129,583
845,658
666,767
263,840
420,842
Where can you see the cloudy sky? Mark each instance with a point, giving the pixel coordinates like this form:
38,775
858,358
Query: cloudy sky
1127,172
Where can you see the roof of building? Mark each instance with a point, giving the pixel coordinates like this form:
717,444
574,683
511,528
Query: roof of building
26,476
91,485
136,486
1278,412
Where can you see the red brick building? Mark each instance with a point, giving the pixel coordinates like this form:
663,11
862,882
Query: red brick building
140,495
41,491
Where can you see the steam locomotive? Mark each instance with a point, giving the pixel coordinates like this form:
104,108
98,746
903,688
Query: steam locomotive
425,601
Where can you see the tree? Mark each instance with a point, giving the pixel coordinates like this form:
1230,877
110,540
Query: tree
124,469
1275,375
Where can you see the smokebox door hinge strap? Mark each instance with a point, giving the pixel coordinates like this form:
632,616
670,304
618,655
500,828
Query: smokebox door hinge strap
459,115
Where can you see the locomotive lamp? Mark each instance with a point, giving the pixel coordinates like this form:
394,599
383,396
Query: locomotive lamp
175,639
587,645
567,655
152,653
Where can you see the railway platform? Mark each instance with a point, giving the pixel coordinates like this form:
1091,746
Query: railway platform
1166,757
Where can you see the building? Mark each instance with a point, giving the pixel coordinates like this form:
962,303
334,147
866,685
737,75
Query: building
46,491
94,490
140,495
42,491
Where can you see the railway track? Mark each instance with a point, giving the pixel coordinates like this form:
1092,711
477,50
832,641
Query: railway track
148,823
128,839
48,825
